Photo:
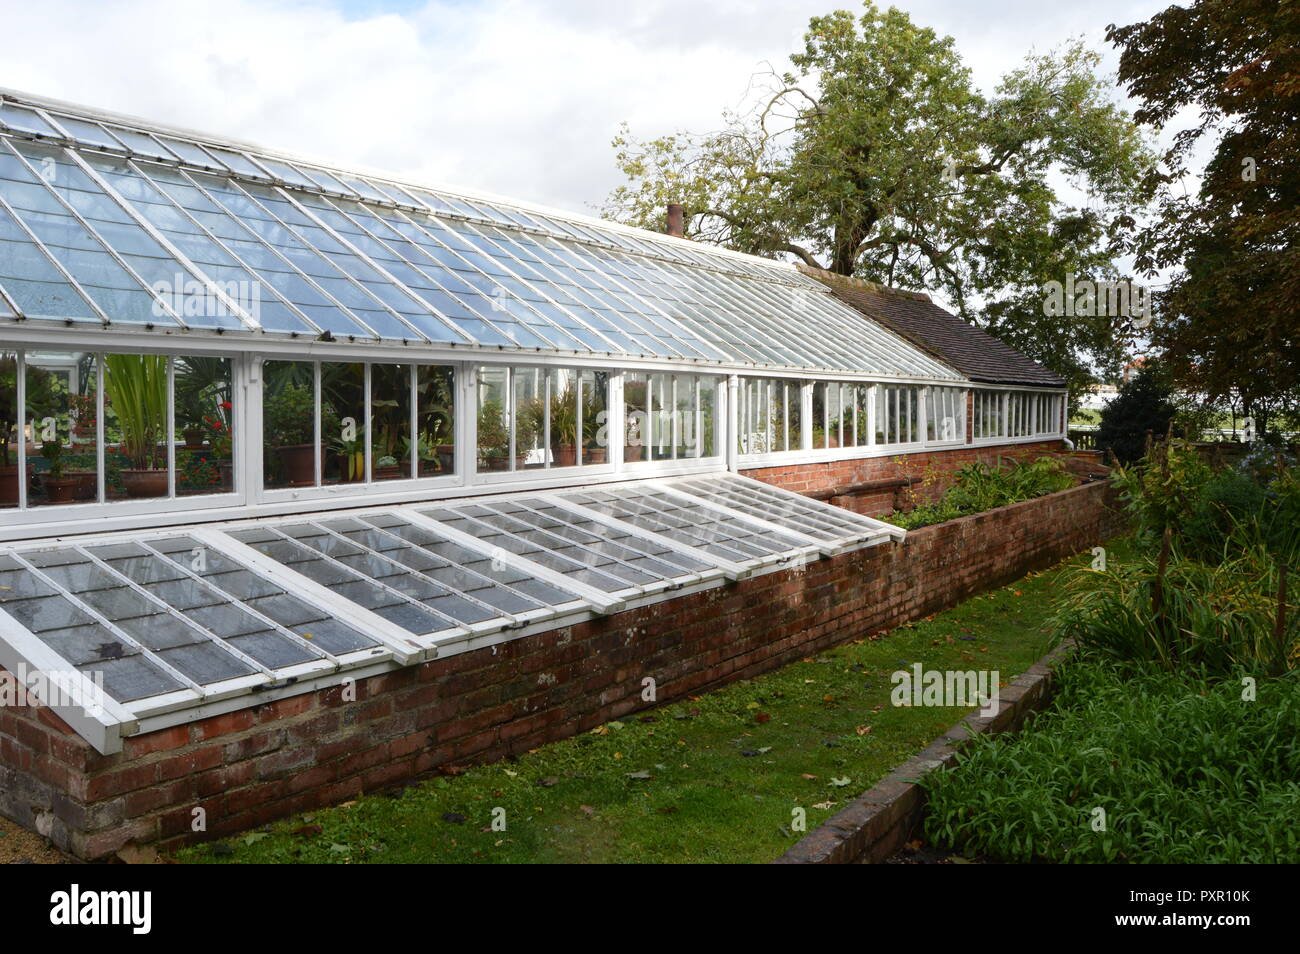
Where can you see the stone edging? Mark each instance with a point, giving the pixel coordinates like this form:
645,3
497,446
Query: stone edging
878,823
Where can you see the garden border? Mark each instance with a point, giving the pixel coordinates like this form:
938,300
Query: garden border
874,826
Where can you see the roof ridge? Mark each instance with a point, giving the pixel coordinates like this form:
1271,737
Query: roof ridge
825,275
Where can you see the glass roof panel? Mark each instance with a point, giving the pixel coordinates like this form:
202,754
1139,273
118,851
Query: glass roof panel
119,231
470,270
142,143
121,296
25,120
38,288
90,133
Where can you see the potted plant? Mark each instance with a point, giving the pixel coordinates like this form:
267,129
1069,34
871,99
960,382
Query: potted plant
41,401
426,454
352,459
82,410
493,436
564,427
634,398
434,389
136,387
386,468
290,423
221,438
59,487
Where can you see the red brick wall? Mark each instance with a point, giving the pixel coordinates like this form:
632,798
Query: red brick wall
255,765
933,468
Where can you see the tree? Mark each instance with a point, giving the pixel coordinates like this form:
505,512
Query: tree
1145,404
875,156
1228,320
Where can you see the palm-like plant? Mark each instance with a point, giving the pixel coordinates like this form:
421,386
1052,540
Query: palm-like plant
136,386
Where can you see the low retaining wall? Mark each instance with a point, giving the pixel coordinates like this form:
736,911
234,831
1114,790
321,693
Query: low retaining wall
871,828
252,766
931,471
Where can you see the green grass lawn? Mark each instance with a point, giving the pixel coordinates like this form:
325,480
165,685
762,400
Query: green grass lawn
708,779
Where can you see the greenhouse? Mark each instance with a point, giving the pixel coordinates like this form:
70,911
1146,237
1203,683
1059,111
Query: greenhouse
267,424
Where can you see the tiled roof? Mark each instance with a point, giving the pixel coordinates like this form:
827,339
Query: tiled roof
975,353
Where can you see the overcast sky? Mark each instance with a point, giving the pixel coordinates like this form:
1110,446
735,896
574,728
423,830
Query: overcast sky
513,97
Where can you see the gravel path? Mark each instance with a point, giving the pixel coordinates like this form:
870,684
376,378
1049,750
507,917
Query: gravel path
18,846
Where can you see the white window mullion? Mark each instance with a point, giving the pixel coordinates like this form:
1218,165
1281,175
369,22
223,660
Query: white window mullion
20,369
101,480
367,379
510,418
320,435
414,423
171,427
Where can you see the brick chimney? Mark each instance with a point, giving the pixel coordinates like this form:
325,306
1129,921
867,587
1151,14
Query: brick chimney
676,220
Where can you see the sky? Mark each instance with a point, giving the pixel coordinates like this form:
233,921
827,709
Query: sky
504,96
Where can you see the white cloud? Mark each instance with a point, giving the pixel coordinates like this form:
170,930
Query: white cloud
508,96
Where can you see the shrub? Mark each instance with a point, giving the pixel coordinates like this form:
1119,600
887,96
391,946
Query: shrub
1175,612
1144,403
979,487
1185,769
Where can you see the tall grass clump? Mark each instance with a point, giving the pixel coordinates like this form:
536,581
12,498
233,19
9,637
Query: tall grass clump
1213,585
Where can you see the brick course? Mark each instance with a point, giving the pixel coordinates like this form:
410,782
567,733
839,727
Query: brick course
250,767
935,468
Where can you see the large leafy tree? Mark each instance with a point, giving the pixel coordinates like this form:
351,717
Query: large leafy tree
1228,323
876,156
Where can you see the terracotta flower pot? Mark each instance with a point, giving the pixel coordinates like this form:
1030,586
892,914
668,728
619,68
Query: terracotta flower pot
447,457
62,489
298,461
144,483
389,472
564,455
87,484
593,455
633,452
193,438
9,484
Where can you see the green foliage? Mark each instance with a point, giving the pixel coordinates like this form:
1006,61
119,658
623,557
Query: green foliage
1185,769
875,155
42,400
1144,403
289,416
979,487
1231,230
52,450
493,430
202,392
135,386
1207,589
1221,617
